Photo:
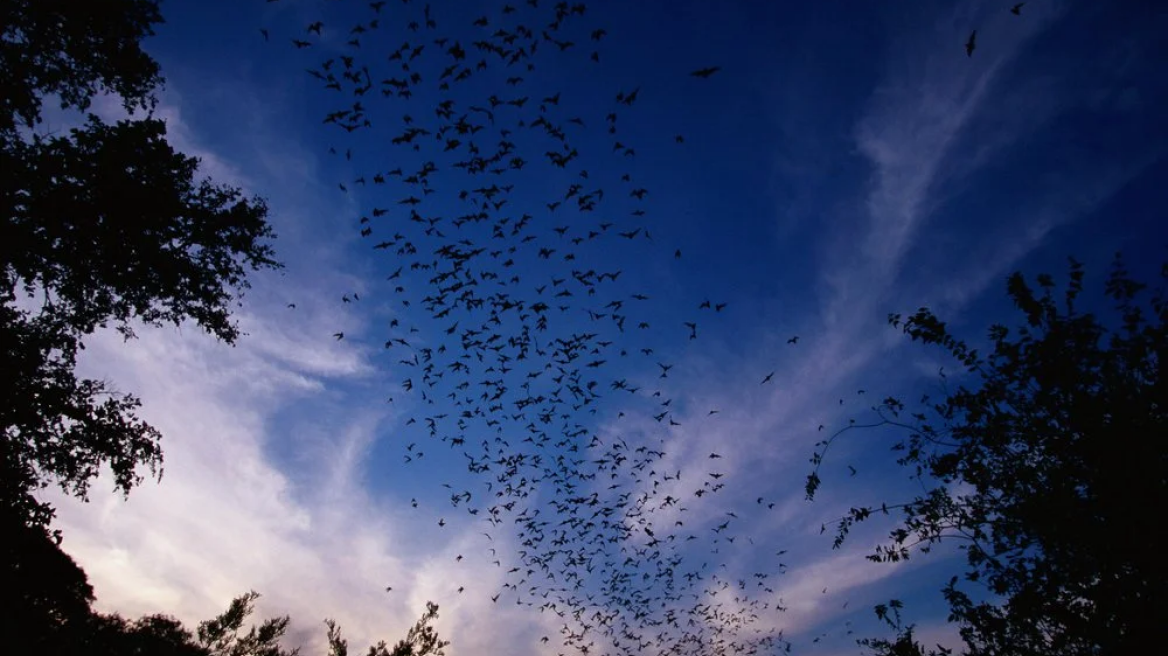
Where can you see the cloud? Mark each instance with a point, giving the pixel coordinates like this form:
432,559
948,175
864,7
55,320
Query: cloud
268,444
914,133
930,95
813,593
223,519
226,517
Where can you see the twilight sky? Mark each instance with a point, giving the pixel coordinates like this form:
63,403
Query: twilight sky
845,161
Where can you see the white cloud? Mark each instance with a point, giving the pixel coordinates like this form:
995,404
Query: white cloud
225,518
267,446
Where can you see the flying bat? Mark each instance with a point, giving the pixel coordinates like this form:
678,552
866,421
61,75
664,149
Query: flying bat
705,72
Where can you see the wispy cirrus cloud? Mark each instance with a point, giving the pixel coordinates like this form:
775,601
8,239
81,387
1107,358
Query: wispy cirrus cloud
916,134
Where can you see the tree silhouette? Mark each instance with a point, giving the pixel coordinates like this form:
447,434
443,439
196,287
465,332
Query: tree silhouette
156,635
45,594
1053,475
106,224
421,640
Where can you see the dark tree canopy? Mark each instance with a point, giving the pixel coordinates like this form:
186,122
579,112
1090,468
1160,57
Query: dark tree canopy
106,224
1052,474
109,224
46,595
72,49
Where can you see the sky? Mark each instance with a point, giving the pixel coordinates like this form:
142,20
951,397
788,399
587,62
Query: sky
845,161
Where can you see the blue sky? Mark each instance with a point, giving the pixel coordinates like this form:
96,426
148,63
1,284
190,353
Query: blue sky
848,160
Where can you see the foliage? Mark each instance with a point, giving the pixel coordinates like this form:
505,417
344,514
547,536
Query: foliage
153,635
904,644
57,426
46,595
1052,474
421,640
109,224
105,224
221,636
73,49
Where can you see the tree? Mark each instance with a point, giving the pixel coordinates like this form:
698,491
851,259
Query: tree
421,640
221,637
1053,474
106,224
153,635
45,594
48,606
